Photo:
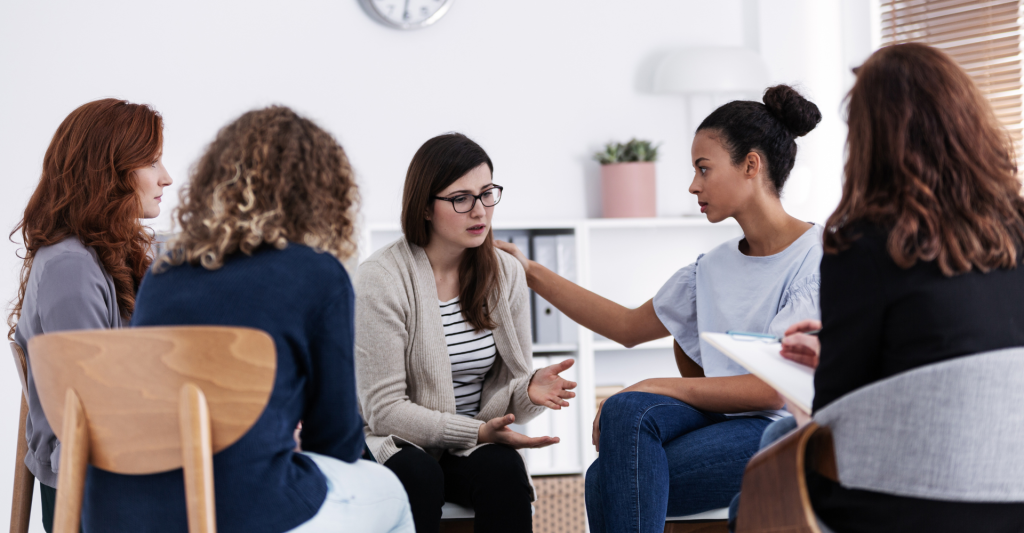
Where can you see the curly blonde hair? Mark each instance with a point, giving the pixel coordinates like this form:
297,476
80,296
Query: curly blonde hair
270,177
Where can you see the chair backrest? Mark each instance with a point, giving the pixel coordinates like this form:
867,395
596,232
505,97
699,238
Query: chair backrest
948,431
149,400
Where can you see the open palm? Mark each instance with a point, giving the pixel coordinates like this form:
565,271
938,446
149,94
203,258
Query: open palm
549,389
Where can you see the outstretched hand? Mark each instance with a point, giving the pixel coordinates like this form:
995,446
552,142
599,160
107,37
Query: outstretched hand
549,389
496,431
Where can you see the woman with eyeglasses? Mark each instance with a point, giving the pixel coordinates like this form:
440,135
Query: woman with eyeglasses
443,348
678,446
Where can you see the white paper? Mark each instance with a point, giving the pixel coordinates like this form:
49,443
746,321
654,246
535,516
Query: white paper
795,382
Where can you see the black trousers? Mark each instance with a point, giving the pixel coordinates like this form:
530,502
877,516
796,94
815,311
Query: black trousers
492,480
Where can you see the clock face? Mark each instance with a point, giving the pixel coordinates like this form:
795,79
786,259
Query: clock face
407,14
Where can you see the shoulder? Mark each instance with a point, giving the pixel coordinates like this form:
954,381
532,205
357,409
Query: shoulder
722,252
510,266
69,255
865,239
316,264
383,266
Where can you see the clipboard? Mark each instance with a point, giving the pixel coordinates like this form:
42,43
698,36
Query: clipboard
795,382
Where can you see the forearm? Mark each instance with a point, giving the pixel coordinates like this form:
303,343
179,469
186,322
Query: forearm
733,394
621,324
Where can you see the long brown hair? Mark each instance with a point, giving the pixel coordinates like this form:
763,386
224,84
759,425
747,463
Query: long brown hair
437,164
88,190
270,177
927,159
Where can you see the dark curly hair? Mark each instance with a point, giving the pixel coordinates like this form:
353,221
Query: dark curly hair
770,129
88,190
270,177
928,160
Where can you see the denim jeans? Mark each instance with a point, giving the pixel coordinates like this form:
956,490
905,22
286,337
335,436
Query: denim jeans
775,431
659,457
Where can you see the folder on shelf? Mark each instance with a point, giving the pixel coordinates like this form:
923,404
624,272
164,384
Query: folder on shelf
795,382
546,318
565,253
520,238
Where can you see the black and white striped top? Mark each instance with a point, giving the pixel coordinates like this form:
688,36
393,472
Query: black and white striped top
471,353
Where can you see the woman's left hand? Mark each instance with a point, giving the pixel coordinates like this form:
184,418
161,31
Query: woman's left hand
547,388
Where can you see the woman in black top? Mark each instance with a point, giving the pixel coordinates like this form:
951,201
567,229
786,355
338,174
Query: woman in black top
921,261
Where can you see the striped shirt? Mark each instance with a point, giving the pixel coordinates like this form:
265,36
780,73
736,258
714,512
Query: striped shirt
471,354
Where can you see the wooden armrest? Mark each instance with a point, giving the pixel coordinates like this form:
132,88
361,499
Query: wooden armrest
774,495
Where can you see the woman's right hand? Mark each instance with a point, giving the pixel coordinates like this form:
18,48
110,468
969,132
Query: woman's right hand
496,431
514,251
800,348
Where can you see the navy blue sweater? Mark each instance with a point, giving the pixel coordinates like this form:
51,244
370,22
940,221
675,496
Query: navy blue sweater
304,300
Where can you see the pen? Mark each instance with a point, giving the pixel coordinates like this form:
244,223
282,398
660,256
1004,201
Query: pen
767,336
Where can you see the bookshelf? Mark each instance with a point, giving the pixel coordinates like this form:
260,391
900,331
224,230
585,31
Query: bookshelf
625,260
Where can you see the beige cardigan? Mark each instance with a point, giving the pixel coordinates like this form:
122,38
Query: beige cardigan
403,372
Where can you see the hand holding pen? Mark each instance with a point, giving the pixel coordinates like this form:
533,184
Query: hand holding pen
801,343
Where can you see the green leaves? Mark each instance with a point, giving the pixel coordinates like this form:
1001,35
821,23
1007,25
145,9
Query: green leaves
631,152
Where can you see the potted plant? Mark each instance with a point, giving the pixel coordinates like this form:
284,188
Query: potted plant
627,179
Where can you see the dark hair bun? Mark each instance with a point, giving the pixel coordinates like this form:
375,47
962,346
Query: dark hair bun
796,113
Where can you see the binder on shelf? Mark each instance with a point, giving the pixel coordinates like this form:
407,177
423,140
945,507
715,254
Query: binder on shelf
546,318
565,252
520,238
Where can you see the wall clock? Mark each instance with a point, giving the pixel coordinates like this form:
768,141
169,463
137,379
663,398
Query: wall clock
407,14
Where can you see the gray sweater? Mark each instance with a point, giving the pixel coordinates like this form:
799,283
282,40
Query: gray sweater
68,289
403,371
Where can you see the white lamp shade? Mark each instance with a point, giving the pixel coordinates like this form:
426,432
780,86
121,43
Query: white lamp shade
711,70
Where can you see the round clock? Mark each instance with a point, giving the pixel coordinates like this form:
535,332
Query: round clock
407,14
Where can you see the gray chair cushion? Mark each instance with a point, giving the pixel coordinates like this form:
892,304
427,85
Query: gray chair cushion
950,431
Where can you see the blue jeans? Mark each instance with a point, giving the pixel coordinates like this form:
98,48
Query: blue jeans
659,457
775,431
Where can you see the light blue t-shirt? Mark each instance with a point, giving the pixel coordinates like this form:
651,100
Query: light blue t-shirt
726,290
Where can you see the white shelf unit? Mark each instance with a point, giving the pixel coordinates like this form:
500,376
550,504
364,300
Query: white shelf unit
627,261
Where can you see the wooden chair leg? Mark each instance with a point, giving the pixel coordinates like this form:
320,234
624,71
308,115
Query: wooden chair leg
774,495
24,481
74,459
197,457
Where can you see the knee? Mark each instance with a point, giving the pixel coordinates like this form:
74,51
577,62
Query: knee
504,463
419,473
592,481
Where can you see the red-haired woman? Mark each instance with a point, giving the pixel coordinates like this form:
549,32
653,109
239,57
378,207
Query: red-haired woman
85,248
922,262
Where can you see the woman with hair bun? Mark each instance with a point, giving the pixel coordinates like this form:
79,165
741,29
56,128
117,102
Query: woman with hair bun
85,247
679,445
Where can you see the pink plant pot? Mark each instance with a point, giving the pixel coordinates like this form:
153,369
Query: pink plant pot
628,190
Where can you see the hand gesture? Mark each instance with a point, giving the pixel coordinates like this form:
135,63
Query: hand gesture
496,431
803,349
547,388
514,251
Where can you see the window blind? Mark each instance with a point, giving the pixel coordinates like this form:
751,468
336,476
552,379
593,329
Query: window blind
983,36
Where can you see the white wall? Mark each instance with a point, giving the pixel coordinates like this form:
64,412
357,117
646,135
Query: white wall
540,84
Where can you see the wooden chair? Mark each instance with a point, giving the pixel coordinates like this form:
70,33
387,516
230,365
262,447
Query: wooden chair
24,481
150,400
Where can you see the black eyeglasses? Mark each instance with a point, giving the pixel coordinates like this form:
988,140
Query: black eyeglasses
462,203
